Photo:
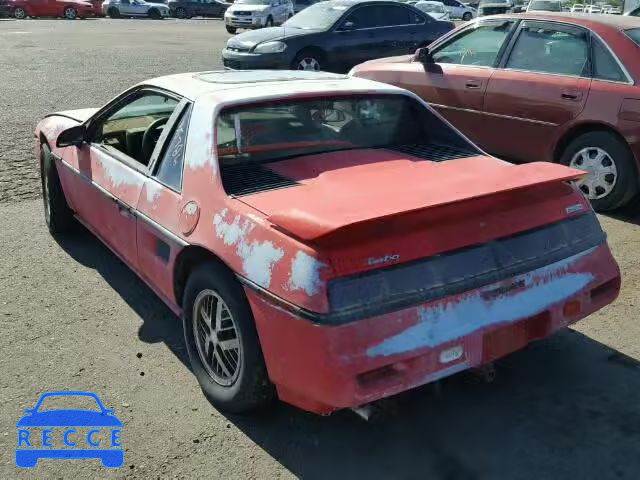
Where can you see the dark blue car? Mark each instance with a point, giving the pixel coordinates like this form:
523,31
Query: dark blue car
28,453
334,36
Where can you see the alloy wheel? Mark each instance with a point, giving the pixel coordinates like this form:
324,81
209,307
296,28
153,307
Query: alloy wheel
19,13
602,172
309,63
216,336
70,13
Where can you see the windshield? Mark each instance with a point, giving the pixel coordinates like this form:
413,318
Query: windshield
544,5
430,7
275,131
253,2
320,16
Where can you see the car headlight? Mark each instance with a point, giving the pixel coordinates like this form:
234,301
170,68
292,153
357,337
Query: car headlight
270,47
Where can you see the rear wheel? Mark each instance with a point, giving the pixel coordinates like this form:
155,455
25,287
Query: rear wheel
612,178
466,17
231,29
222,341
70,13
57,213
181,12
113,12
19,13
155,14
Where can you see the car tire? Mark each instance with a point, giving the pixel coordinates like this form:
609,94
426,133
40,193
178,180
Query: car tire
269,22
308,60
249,387
603,152
181,12
57,214
466,16
155,14
70,13
19,13
113,12
231,30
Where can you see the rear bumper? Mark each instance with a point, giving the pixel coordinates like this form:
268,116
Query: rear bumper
324,368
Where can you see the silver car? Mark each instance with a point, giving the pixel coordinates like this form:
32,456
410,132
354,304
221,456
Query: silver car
251,14
134,8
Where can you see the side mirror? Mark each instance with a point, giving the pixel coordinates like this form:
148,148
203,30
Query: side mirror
423,55
72,136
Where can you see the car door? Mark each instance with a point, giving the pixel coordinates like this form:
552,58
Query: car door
161,205
397,31
126,7
544,84
209,8
113,162
353,39
452,7
456,81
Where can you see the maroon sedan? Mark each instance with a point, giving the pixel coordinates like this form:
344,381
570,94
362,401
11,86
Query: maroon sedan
555,87
69,9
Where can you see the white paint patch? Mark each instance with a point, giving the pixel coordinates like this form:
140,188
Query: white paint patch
153,190
200,137
118,174
448,321
451,354
305,274
258,258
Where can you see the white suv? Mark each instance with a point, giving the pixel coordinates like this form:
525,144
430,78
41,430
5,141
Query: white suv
257,14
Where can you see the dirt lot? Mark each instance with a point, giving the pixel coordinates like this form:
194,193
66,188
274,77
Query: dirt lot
73,317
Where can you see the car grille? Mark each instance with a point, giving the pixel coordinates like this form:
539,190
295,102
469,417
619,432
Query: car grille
439,276
241,14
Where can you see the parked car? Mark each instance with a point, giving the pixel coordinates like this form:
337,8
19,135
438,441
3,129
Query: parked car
5,8
326,239
252,14
577,8
135,8
299,5
335,35
197,8
69,9
545,6
593,9
614,11
434,9
494,7
459,10
525,88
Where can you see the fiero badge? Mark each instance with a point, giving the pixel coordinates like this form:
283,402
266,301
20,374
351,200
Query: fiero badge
385,259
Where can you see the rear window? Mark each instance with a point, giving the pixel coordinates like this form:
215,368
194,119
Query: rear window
269,132
634,34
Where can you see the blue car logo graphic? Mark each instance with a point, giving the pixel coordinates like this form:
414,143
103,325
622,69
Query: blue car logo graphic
31,447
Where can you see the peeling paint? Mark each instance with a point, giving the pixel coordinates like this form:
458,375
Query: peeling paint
448,321
231,233
191,208
119,175
153,190
305,274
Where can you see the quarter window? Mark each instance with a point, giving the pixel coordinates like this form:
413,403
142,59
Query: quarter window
171,166
549,50
605,67
478,46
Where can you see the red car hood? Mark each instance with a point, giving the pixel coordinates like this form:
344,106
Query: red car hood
340,189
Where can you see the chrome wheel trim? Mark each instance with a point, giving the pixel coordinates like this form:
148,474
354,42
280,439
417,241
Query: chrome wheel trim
309,63
19,13
70,13
216,337
602,172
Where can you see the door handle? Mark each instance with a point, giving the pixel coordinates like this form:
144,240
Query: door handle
472,85
571,95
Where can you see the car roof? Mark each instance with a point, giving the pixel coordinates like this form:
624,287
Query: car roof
619,22
256,84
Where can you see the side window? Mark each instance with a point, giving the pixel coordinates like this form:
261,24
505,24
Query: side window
605,67
477,46
171,165
134,128
550,50
363,17
390,15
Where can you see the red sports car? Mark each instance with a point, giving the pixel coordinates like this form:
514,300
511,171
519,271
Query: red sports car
556,87
331,240
69,9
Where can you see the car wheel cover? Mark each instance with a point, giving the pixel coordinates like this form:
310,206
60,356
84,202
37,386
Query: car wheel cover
216,338
309,63
70,13
46,195
19,13
180,12
602,172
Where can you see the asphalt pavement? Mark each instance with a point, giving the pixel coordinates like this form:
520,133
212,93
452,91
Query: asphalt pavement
74,317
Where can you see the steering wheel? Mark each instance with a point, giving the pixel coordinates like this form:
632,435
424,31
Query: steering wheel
150,137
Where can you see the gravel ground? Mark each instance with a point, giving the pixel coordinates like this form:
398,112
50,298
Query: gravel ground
74,317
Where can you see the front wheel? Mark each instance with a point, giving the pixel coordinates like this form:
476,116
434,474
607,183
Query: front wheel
57,214
70,13
231,29
307,60
20,13
113,12
612,179
466,17
155,14
222,341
